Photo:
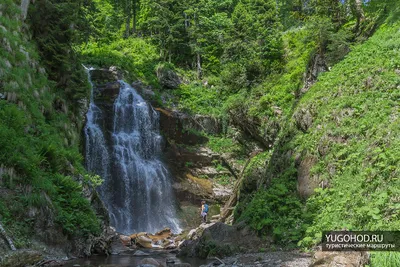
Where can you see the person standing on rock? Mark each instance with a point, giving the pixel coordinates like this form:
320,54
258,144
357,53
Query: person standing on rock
204,211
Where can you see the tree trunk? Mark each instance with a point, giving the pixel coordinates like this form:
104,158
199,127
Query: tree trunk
199,70
24,9
9,240
358,12
128,18
134,11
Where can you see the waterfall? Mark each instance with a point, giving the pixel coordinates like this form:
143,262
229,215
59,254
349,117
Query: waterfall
137,188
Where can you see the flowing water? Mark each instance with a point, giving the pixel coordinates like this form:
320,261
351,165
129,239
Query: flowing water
137,187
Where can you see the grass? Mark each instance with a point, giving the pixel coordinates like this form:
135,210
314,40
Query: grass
385,259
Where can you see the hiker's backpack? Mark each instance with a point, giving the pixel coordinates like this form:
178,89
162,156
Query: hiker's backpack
205,208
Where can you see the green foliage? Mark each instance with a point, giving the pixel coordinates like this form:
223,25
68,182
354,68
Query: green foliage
224,179
357,148
236,61
103,21
384,259
94,180
276,210
196,98
189,164
223,145
353,138
53,24
39,137
74,212
134,55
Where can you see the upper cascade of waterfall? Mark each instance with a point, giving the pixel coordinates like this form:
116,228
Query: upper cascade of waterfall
137,188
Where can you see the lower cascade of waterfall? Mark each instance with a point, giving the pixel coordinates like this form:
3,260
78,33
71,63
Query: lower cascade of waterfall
137,188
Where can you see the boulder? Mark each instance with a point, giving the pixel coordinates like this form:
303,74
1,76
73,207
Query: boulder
303,118
115,247
163,234
344,259
170,246
170,262
140,253
168,78
126,240
221,240
108,242
151,261
316,66
134,236
103,76
192,234
144,241
172,124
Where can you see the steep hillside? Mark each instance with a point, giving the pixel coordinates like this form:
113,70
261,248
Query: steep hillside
342,139
41,171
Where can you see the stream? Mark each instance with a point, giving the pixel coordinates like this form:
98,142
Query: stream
128,259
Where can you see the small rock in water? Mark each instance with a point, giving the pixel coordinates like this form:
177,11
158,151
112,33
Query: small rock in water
144,241
126,240
170,246
170,261
150,261
140,253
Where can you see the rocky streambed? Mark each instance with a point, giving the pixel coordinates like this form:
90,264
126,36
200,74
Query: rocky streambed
212,244
207,245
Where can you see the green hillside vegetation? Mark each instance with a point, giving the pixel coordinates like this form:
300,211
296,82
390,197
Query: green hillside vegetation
353,142
345,128
40,158
315,86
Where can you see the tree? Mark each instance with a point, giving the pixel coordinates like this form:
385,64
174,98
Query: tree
54,26
256,43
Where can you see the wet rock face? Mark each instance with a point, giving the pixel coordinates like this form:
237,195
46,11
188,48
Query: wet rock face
105,90
172,125
106,85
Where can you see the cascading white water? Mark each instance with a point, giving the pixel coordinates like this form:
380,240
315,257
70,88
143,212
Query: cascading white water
137,186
